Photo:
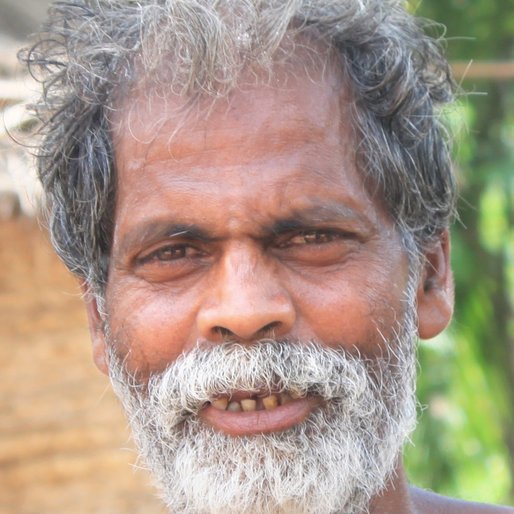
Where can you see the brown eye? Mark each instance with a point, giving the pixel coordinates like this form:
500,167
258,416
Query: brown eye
171,262
313,237
170,253
317,247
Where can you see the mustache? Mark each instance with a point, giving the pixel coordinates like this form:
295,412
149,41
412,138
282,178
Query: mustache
337,375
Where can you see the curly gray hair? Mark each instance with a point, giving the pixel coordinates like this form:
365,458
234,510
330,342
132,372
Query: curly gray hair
94,52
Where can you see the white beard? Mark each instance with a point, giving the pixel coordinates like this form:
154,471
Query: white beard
336,461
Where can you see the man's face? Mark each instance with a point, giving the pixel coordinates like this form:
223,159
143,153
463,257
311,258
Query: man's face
248,222
252,223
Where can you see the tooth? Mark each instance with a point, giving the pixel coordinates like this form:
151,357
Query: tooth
234,407
248,405
285,398
295,395
270,402
220,403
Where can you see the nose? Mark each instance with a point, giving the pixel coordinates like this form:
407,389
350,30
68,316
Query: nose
246,301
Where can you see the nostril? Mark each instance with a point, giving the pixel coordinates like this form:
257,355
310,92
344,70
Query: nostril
270,327
265,331
224,332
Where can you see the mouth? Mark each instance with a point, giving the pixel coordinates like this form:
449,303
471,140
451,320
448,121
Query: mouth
248,402
248,413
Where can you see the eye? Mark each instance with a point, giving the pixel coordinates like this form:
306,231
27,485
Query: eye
316,237
170,253
313,237
317,247
170,262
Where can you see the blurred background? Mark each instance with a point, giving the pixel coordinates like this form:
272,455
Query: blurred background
64,446
464,445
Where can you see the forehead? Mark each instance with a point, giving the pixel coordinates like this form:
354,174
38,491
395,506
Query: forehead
311,93
289,142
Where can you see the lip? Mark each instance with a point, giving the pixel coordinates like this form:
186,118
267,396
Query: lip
263,421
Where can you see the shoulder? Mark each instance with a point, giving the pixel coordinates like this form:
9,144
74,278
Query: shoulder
426,502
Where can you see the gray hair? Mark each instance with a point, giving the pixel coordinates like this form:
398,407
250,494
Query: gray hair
94,52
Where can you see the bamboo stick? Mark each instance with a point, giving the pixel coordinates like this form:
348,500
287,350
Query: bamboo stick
494,70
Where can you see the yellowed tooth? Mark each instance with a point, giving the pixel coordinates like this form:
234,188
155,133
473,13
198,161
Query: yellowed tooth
220,403
285,398
234,407
248,405
295,395
270,402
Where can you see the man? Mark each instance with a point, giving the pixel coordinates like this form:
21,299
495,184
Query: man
256,199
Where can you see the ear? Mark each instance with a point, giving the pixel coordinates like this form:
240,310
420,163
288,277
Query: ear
435,293
96,330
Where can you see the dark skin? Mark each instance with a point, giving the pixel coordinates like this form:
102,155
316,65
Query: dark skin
252,220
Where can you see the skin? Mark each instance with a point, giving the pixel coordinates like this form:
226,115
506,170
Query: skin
254,221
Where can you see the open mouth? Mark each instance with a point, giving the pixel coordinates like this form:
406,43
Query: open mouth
250,402
246,413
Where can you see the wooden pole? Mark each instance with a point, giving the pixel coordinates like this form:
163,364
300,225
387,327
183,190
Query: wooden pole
494,70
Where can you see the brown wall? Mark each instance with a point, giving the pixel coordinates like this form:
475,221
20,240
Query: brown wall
64,445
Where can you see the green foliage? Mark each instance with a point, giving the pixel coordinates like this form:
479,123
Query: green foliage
464,445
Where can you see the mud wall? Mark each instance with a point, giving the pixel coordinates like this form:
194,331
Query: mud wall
64,444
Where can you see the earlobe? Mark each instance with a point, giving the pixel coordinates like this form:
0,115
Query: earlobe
435,293
97,332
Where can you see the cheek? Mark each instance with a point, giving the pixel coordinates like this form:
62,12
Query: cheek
150,330
355,308
339,316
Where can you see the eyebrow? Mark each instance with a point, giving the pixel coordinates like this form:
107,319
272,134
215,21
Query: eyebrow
153,231
320,213
326,212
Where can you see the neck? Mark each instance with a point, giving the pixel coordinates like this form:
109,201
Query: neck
396,498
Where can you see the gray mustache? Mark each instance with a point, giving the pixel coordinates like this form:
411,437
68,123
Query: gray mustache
269,366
